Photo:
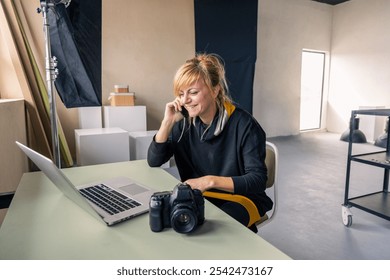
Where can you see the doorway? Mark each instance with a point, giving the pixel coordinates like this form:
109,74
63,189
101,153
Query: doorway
312,81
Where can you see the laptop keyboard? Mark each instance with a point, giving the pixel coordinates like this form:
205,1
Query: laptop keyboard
108,199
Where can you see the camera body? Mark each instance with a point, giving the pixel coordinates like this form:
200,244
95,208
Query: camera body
182,209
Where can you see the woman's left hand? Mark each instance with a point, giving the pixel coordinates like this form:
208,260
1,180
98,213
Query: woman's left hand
211,182
201,183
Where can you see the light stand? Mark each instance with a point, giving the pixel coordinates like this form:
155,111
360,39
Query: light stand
51,75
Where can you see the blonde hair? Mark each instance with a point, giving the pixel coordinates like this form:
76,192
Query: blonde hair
209,68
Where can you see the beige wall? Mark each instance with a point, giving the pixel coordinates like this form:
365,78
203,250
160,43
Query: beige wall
9,85
144,41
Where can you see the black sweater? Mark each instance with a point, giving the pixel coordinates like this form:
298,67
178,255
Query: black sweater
238,151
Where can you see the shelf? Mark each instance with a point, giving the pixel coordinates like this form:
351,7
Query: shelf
376,203
380,159
373,112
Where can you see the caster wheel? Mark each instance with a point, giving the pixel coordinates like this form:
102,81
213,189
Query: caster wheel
347,216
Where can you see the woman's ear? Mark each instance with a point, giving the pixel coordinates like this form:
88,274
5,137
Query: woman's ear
216,90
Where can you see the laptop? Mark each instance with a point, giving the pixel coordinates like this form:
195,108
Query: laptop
113,200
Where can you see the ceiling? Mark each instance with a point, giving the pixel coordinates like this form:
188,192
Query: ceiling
331,2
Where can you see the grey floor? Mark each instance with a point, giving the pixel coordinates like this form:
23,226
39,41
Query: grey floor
308,223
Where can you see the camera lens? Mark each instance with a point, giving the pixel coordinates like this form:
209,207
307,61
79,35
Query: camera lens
183,220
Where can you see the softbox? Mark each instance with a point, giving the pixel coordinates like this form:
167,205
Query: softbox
79,68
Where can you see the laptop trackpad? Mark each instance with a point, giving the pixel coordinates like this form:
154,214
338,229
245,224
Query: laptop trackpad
133,189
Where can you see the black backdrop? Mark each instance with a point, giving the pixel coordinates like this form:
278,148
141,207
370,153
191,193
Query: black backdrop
75,35
229,29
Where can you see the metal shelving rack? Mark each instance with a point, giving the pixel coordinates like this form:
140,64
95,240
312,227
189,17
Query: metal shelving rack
376,203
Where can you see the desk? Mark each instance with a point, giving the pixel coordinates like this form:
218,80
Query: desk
43,224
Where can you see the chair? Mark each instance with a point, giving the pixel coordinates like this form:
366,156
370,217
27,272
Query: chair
271,161
5,199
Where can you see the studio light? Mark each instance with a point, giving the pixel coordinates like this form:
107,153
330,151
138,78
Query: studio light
357,135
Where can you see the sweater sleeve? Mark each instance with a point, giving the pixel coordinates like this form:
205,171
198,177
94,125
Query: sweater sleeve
252,150
159,153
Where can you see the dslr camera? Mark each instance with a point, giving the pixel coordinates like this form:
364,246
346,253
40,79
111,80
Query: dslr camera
182,209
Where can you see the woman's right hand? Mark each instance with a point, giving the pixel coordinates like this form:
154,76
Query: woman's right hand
171,116
173,111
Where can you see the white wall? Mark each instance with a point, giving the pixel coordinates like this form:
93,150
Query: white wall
360,60
286,28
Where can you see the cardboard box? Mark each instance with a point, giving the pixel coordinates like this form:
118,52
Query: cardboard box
121,88
122,99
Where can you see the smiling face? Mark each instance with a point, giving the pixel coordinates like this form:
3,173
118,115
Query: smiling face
200,84
199,100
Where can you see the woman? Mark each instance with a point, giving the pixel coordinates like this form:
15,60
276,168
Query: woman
217,145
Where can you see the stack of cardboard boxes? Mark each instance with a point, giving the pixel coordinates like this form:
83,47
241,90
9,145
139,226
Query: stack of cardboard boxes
121,96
